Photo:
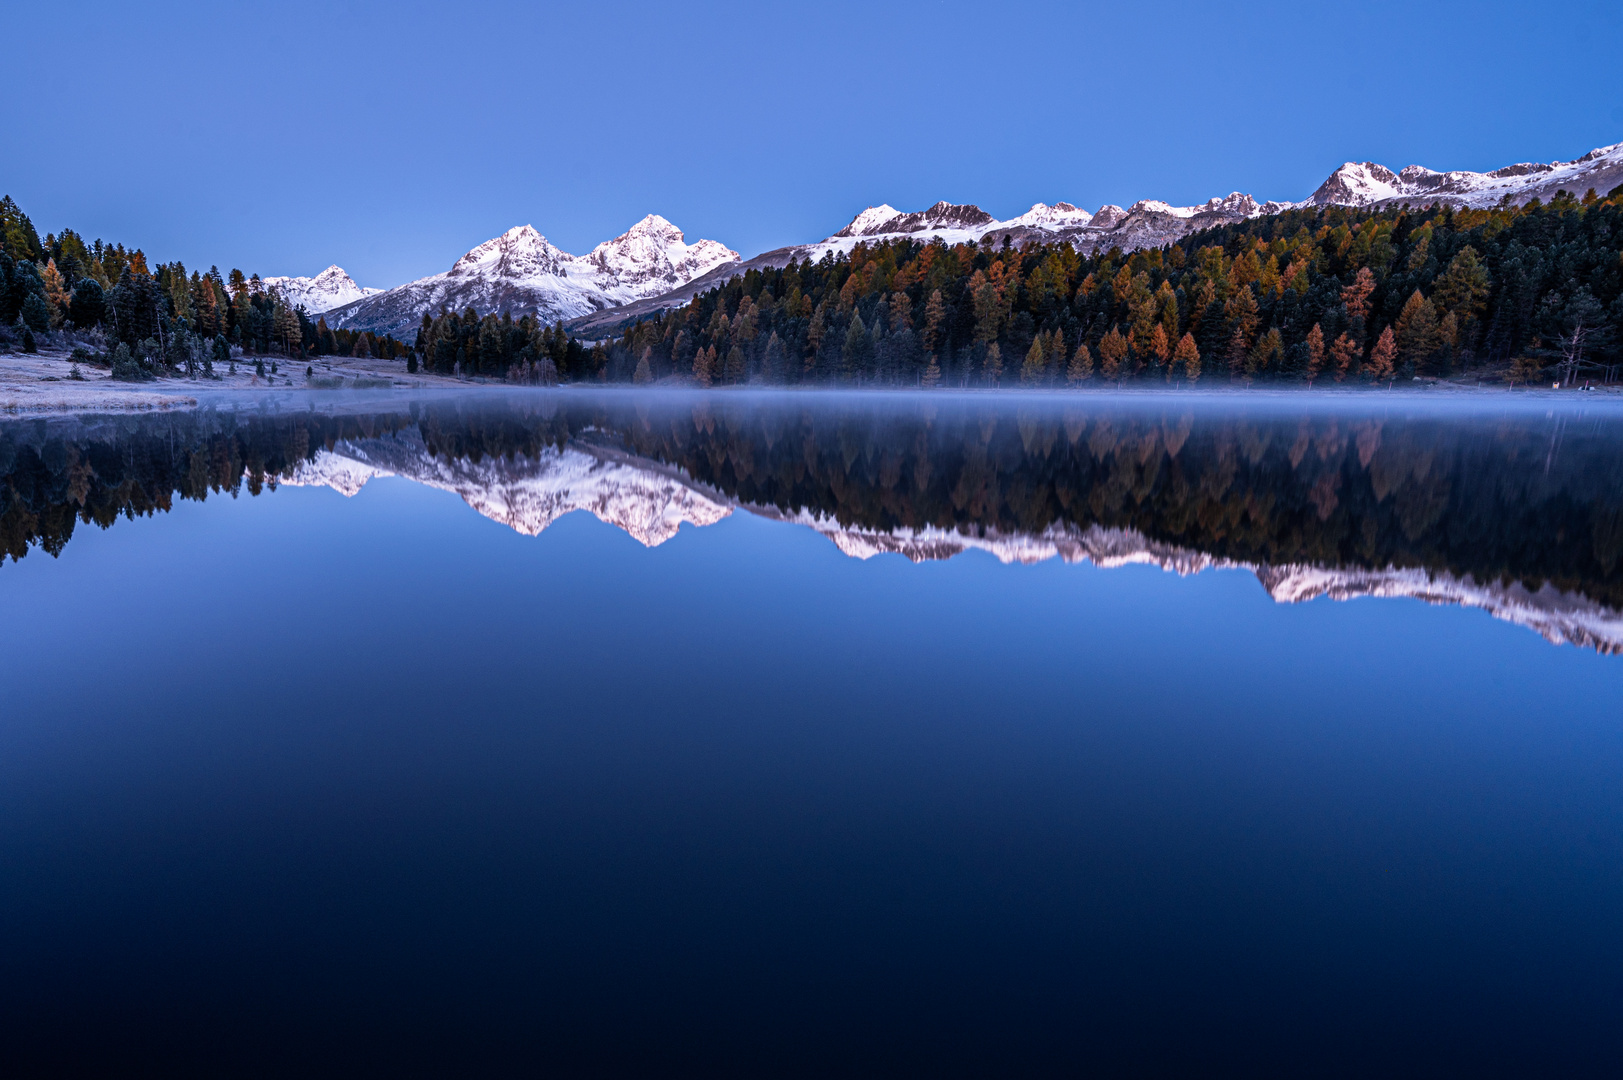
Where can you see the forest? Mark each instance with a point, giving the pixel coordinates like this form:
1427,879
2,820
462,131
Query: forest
1512,293
143,319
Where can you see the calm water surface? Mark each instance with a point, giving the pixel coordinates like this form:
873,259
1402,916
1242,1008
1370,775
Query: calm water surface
796,735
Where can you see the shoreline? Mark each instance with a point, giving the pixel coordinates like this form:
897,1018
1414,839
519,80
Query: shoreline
34,384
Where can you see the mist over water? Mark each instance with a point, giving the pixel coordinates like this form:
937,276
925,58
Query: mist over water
921,734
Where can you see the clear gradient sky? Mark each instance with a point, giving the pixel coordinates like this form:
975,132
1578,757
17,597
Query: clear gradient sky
391,137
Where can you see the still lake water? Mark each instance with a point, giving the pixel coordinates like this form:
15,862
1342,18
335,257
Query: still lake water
836,735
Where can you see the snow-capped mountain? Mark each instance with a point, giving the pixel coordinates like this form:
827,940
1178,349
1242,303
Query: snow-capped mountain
650,501
1368,184
1146,222
520,272
329,289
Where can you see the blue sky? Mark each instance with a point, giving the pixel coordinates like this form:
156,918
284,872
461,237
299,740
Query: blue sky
391,137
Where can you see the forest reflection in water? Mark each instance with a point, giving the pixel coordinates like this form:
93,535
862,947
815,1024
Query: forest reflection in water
1502,505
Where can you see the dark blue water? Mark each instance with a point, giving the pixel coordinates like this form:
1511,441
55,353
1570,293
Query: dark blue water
299,784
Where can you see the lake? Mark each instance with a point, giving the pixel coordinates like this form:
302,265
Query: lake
737,734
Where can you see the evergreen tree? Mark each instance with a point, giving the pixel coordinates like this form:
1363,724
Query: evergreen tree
994,364
36,313
88,305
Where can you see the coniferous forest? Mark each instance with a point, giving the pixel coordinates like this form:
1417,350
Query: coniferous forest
150,319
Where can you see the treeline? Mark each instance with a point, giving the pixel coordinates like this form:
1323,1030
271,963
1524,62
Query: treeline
161,316
1311,294
525,350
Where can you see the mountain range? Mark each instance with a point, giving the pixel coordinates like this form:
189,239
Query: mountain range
651,267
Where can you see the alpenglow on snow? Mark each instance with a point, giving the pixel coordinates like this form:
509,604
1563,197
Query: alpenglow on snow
521,273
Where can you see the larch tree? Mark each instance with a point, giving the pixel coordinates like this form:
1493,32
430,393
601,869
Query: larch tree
1315,353
1031,372
1112,354
1187,356
935,313
1342,354
1416,329
1160,348
1356,295
1081,369
1381,357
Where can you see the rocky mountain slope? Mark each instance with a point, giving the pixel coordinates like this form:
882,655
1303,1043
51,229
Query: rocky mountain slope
329,289
650,501
520,272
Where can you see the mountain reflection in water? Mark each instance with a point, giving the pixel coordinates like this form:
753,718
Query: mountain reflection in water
1512,509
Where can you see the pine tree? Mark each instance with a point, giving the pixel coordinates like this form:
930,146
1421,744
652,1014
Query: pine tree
932,373
855,353
993,364
36,313
773,359
88,307
735,365
1315,353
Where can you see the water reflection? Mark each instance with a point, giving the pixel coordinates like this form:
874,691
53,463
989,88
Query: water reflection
1518,512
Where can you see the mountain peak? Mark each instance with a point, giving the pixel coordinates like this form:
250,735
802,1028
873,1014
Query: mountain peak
331,288
520,252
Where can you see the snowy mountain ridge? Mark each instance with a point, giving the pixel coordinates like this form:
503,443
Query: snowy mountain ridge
329,289
1364,183
522,273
